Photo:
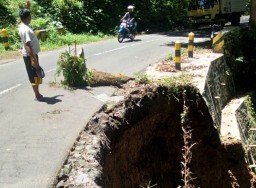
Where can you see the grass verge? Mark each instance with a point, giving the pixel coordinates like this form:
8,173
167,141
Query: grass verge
53,41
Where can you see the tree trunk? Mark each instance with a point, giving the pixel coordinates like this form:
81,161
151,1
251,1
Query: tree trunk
252,22
99,78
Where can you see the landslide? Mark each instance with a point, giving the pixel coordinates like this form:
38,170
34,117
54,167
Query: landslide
144,142
158,136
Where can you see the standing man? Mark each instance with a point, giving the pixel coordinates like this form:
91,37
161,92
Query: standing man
30,51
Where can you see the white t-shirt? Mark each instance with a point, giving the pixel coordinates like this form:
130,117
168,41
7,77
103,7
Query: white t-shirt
26,35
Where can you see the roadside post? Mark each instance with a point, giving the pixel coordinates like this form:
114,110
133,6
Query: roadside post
218,42
177,55
43,35
5,39
37,33
190,44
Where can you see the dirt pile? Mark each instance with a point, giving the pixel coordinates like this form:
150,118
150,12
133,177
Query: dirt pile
141,143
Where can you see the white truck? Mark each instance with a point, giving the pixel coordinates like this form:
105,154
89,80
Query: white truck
219,12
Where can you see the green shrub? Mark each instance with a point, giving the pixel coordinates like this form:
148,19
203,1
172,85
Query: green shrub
170,57
234,56
6,16
39,23
239,50
13,37
142,78
74,70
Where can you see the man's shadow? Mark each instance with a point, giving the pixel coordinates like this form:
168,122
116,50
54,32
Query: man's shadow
52,100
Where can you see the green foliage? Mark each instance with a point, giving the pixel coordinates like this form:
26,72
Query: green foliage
183,51
74,70
250,102
248,45
6,17
174,82
240,58
170,57
39,23
81,16
232,41
248,3
98,15
142,78
169,14
55,40
13,37
233,54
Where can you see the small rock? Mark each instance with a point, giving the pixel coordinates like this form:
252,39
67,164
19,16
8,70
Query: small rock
82,178
78,148
61,184
76,155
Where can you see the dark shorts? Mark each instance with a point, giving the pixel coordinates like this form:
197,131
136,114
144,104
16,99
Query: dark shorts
33,78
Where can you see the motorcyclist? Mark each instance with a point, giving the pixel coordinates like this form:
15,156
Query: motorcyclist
130,17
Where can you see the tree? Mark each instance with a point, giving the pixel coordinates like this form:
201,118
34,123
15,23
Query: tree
5,16
252,22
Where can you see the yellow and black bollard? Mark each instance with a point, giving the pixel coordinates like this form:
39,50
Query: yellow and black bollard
43,35
218,43
190,44
5,39
177,55
38,34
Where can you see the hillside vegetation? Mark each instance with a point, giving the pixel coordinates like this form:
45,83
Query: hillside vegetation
96,15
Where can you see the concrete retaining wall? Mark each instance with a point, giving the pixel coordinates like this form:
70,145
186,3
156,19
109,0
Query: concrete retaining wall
231,115
212,77
214,81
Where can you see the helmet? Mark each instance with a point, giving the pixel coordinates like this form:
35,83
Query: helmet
130,7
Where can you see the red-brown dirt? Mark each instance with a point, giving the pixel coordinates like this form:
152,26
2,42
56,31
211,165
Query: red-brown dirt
142,143
146,142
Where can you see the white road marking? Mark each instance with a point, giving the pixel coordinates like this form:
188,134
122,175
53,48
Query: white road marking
115,49
9,89
120,48
18,85
51,70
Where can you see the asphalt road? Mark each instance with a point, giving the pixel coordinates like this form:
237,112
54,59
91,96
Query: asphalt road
35,137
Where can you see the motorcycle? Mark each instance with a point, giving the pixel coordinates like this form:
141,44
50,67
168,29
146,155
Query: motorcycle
126,30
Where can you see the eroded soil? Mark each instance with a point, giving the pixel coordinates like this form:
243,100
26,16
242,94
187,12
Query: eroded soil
140,142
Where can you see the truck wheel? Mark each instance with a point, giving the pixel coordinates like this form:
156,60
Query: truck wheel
235,21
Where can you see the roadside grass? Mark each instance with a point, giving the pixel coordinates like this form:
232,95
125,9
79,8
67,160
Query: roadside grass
53,41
